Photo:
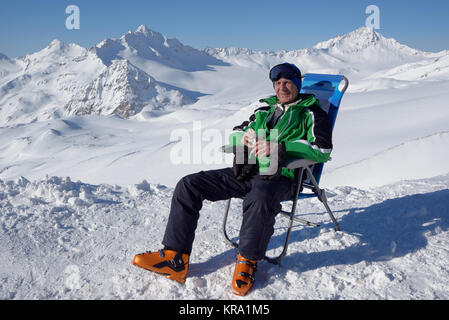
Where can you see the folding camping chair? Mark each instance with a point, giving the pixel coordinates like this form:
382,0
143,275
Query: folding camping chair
329,90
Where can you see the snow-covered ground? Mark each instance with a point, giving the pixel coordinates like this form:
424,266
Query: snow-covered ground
89,143
70,240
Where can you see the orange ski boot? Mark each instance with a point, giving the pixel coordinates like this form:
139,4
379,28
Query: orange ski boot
171,264
243,279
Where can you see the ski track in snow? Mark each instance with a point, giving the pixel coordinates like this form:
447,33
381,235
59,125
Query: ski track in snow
70,240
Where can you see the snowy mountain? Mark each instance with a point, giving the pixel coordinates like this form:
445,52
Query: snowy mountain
6,65
357,54
45,82
145,44
124,90
362,39
88,139
64,79
436,68
144,71
143,75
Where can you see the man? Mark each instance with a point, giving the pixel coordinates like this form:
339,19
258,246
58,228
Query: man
288,125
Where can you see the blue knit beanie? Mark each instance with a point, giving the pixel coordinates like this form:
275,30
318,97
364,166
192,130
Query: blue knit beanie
287,71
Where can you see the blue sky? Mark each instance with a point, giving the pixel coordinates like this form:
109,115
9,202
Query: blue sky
29,25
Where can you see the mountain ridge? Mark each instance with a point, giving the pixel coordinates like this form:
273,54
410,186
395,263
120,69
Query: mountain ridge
65,78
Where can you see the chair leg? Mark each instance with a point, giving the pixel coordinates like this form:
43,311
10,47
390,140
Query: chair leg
225,219
277,260
273,260
298,181
322,197
299,220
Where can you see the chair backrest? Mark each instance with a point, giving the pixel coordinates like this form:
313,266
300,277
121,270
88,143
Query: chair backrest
329,90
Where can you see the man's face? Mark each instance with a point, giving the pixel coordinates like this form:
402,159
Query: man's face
286,91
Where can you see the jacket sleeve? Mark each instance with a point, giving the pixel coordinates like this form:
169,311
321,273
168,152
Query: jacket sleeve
251,123
236,136
316,144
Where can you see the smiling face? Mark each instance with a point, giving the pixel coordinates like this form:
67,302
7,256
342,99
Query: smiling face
286,91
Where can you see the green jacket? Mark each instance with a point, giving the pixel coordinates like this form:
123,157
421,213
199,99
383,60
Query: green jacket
304,129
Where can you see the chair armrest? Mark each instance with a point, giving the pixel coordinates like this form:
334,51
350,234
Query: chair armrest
291,164
231,149
299,163
227,148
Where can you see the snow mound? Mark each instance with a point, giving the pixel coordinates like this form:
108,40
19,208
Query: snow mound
62,191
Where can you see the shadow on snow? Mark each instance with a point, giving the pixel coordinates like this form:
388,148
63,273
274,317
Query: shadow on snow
387,230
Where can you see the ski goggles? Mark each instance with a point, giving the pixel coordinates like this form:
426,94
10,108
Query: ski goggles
285,70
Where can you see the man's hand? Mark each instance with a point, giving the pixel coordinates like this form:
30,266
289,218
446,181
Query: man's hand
278,156
258,147
262,148
249,138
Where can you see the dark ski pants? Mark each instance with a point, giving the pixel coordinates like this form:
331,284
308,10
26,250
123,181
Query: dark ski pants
262,201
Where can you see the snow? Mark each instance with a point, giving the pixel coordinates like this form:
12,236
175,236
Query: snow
90,145
70,240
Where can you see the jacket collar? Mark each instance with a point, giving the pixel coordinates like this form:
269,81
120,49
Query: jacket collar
287,105
304,100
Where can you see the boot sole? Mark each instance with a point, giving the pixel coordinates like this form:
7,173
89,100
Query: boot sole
166,275
240,294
